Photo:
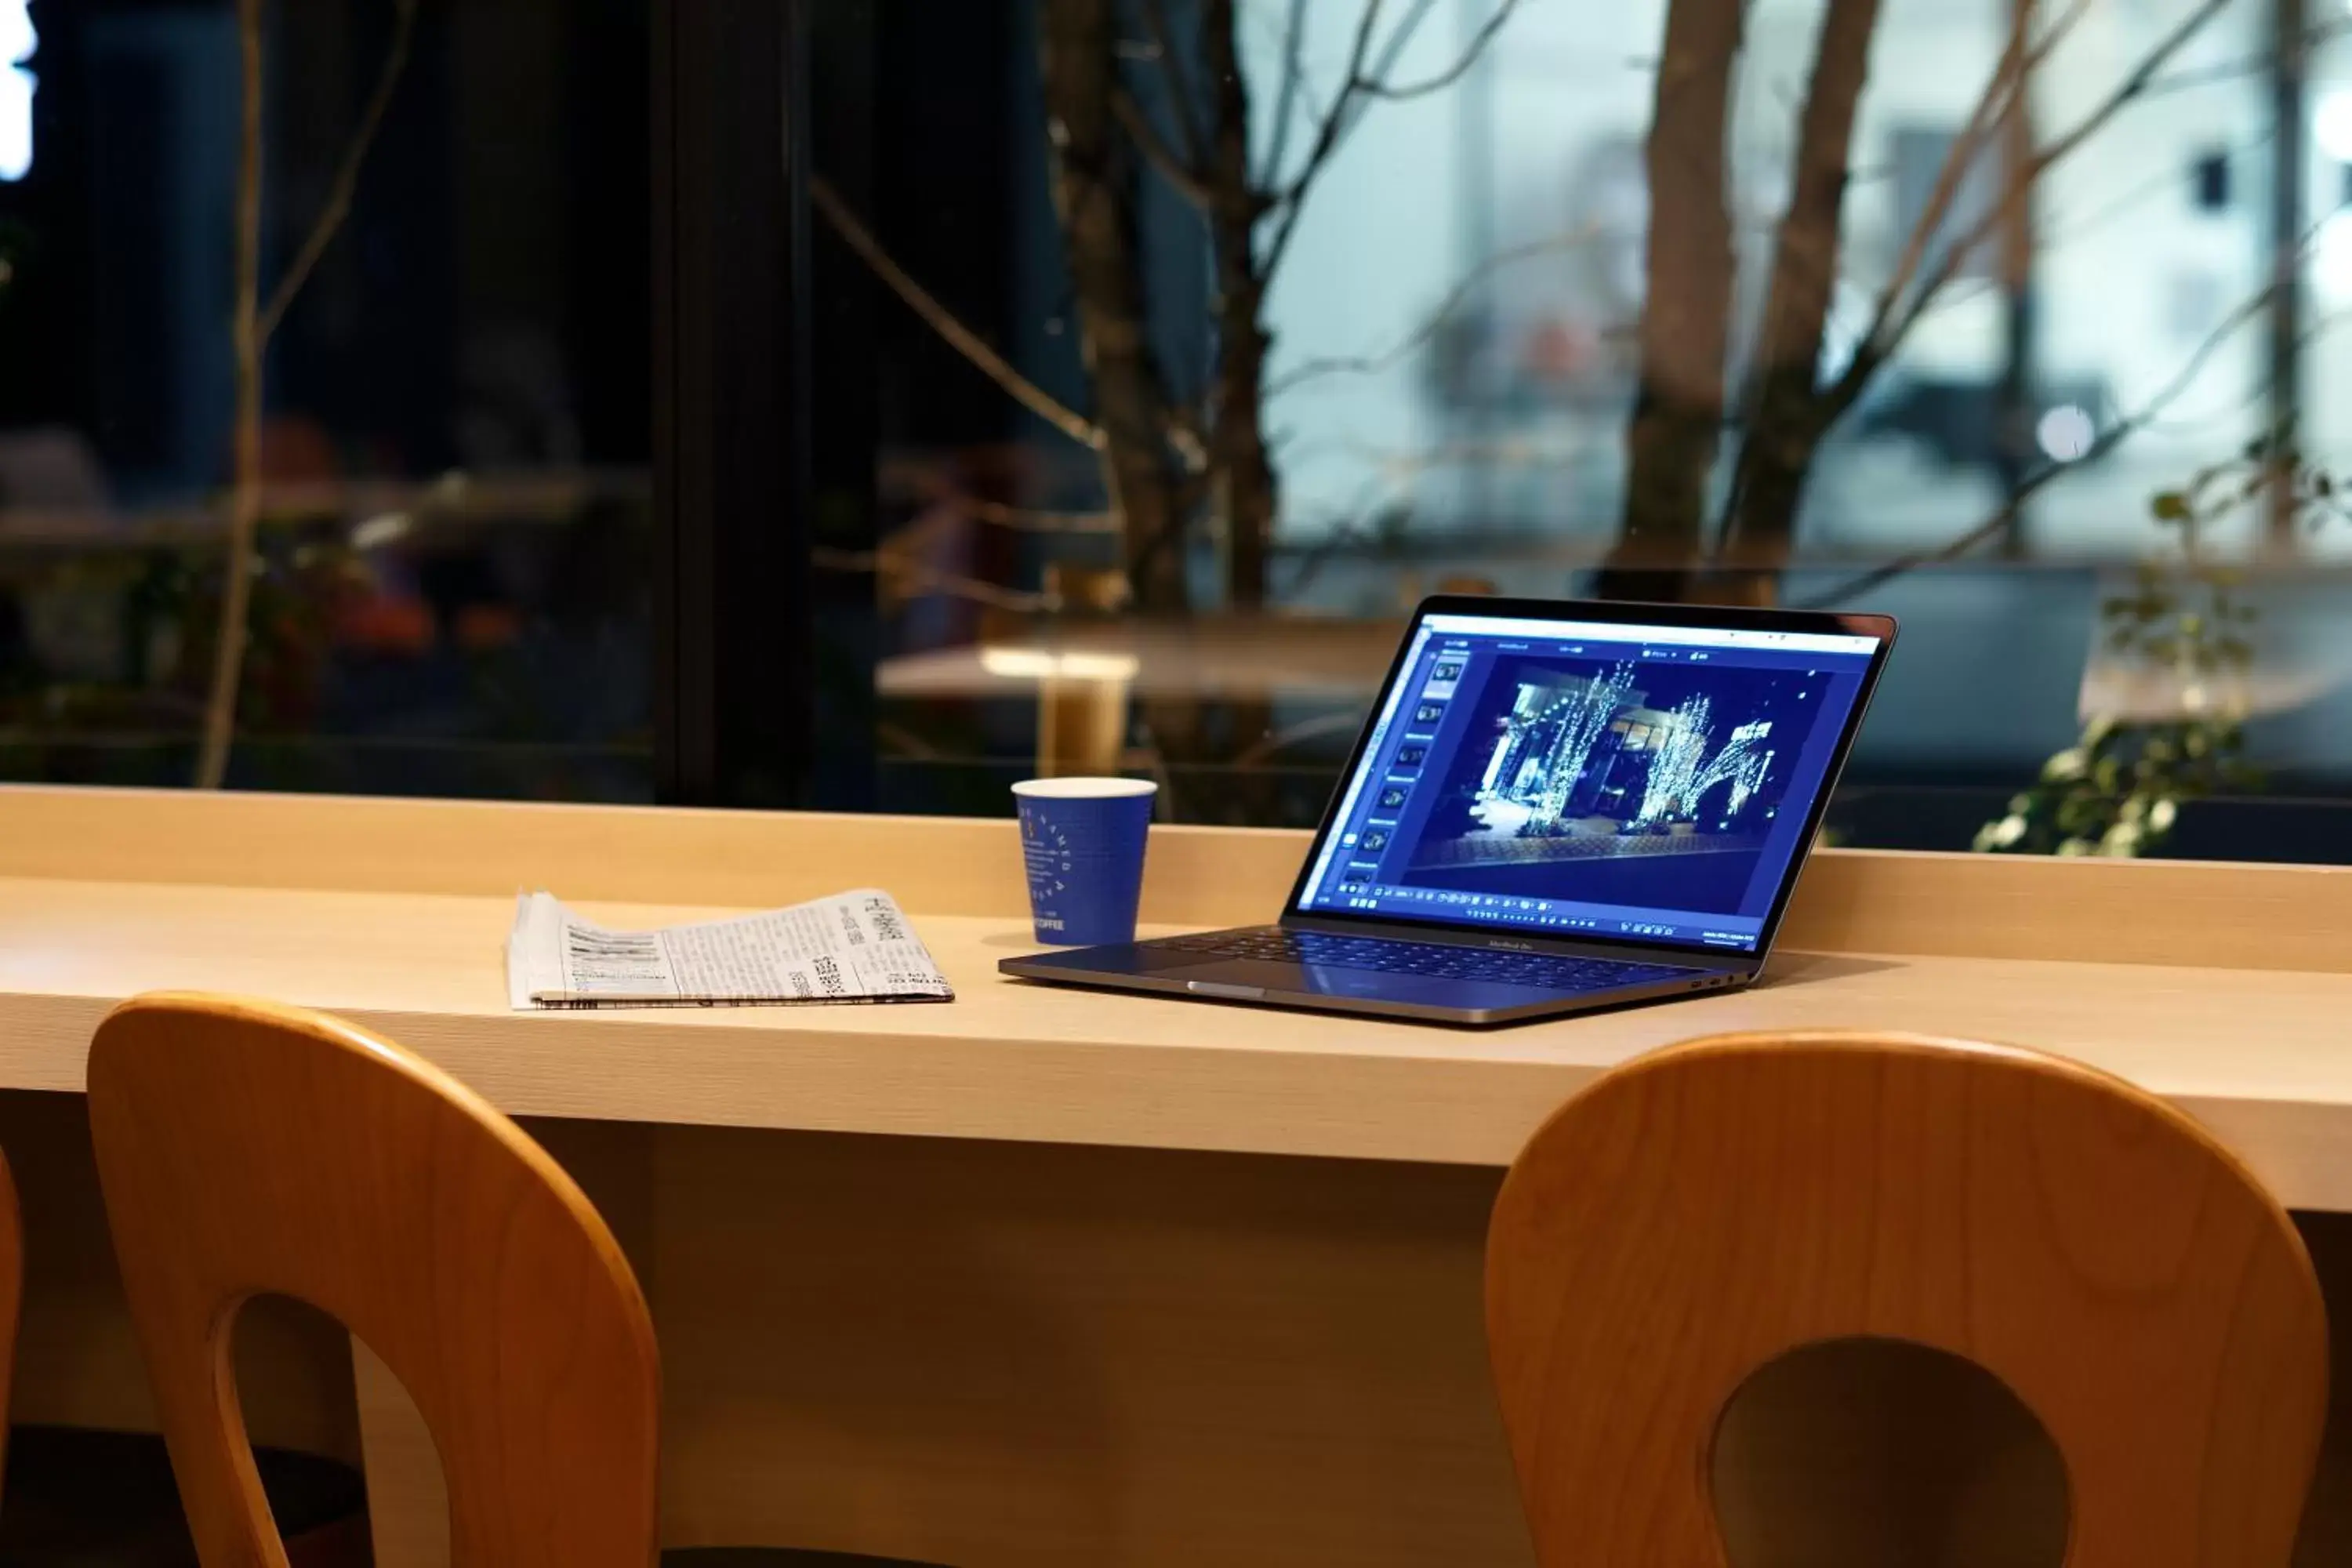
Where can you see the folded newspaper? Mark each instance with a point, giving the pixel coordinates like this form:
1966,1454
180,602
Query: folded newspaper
853,947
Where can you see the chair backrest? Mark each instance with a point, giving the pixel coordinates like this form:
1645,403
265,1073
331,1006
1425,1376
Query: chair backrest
247,1149
1698,1213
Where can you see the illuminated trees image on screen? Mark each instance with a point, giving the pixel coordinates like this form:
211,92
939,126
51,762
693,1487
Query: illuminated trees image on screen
1565,737
1681,772
1665,781
1587,716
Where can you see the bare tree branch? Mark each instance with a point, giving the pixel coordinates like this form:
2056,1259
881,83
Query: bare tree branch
2114,435
1245,491
1989,529
1956,255
1095,206
1345,528
251,325
1293,196
1768,476
1033,519
1460,67
345,185
1184,437
1434,322
1364,80
1393,50
909,578
1171,165
939,516
2203,424
1674,434
2310,39
245,479
1187,111
2059,230
1897,311
942,321
2018,60
1294,79
1500,452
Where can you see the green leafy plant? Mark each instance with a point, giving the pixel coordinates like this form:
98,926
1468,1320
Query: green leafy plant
2188,628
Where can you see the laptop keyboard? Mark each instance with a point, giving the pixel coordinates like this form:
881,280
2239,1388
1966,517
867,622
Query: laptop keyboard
1388,956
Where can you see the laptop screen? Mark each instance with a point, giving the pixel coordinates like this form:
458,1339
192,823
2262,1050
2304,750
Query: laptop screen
1591,779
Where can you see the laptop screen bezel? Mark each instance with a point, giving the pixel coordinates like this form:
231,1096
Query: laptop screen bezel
1701,618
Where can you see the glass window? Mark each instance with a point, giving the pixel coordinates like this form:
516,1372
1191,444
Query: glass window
1096,385
439,437
1218,332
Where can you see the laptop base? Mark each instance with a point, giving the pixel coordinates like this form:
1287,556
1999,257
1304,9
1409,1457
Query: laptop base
1321,988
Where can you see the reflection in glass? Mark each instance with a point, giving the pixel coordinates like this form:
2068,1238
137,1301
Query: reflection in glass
442,464
1293,314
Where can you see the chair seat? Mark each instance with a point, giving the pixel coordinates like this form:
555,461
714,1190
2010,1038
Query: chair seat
77,1499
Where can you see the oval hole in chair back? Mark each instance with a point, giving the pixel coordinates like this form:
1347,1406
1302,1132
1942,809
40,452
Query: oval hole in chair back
1875,1453
1699,1213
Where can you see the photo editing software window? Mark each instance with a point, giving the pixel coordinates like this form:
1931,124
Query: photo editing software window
1568,779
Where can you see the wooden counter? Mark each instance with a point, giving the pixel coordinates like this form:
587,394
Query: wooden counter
1098,1311
2228,990
2265,1058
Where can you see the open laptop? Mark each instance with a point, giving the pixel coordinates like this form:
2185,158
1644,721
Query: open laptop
1555,807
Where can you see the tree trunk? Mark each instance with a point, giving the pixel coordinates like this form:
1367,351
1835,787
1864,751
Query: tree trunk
2290,74
1247,495
1785,424
245,473
1093,196
1687,314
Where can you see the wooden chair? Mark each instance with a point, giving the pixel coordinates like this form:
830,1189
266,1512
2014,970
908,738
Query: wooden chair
247,1149
1698,1213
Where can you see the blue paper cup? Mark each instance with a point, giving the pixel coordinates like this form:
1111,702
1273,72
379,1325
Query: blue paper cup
1083,841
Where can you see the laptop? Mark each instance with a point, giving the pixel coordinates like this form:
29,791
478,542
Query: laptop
1555,807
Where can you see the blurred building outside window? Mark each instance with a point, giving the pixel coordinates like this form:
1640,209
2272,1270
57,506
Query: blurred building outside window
2012,319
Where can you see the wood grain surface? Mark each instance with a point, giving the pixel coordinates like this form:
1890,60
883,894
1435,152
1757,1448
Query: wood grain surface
246,1149
1694,1216
1991,906
2258,1056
